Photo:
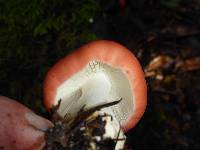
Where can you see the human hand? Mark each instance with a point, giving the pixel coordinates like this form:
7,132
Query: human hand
20,128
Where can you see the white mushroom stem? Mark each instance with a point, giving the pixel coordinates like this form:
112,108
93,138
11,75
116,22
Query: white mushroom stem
112,130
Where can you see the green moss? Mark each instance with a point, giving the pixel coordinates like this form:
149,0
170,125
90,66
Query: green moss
33,36
171,3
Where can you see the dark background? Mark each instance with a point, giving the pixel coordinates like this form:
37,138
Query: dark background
163,34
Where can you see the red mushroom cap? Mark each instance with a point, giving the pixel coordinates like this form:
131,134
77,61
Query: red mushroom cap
110,53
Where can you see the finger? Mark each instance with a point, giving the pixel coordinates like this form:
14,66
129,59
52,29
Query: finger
20,128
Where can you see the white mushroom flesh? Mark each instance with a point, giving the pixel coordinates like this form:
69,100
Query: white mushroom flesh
98,83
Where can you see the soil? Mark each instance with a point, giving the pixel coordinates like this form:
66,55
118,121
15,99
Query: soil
84,132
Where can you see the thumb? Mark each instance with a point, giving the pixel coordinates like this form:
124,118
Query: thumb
20,128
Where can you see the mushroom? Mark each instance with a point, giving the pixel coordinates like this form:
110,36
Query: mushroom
97,73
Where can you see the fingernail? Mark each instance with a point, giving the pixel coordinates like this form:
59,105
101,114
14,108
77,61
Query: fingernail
38,122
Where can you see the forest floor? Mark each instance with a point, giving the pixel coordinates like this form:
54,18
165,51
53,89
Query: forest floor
164,35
